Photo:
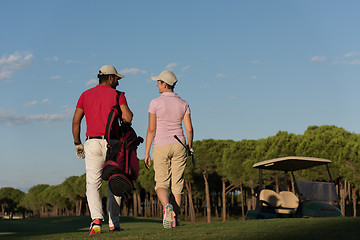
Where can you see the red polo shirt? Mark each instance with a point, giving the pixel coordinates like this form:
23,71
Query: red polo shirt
96,103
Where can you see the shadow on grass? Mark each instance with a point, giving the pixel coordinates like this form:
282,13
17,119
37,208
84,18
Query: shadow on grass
144,228
138,219
299,229
17,229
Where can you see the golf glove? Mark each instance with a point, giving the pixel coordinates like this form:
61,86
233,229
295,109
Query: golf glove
79,150
191,151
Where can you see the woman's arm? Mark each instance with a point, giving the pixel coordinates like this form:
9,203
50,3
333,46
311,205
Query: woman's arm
189,129
149,137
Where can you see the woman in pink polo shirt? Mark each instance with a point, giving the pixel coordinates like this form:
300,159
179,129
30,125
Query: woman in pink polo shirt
166,114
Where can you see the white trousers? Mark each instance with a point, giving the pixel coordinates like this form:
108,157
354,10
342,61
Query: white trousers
95,154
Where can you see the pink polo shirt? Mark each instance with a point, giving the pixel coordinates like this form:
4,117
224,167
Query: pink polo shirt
96,103
170,110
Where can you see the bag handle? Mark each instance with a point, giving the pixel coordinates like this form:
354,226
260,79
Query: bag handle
111,118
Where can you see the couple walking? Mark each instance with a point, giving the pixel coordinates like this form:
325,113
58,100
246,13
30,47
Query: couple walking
167,113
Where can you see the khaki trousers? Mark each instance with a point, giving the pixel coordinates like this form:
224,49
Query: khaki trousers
169,166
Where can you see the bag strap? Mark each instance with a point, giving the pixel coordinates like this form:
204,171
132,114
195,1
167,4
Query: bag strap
111,117
118,93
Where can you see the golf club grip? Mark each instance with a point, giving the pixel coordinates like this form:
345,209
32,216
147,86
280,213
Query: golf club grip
186,147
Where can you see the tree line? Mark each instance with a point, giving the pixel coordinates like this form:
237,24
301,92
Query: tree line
221,184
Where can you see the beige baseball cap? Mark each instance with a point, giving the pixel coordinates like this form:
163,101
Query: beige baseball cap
166,76
109,70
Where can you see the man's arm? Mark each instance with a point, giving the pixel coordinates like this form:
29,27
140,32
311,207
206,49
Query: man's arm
127,115
79,148
78,116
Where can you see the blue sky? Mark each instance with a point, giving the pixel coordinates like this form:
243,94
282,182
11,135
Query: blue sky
247,68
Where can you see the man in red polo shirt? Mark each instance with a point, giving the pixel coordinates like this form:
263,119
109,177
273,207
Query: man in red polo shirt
95,104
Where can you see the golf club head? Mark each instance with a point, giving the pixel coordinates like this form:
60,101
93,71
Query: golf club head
193,159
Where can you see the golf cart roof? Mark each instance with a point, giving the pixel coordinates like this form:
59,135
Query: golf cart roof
290,163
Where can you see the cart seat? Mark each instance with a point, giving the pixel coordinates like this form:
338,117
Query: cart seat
269,198
284,202
289,203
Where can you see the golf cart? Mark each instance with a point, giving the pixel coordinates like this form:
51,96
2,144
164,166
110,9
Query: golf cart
311,199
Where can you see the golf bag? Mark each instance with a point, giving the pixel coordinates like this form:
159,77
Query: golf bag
121,166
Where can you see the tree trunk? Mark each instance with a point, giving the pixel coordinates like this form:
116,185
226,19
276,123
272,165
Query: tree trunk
354,200
277,184
146,205
2,210
159,209
139,204
242,201
216,203
124,205
344,193
87,212
135,205
78,207
253,198
191,203
249,203
342,198
292,185
186,206
223,201
44,211
152,212
207,192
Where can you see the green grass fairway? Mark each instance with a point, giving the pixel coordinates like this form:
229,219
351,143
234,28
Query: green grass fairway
143,228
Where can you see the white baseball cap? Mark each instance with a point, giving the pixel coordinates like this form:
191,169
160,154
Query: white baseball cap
109,70
166,76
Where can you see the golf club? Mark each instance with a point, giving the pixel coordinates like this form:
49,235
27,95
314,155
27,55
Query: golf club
187,149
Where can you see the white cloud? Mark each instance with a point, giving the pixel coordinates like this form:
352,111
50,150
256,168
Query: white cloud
35,102
92,82
132,71
232,98
171,66
220,75
253,77
355,62
8,63
54,58
351,54
16,60
255,61
343,61
31,104
205,86
55,77
350,58
318,59
185,68
12,119
46,100
5,74
72,61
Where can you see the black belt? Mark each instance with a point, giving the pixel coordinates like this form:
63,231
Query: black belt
97,137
